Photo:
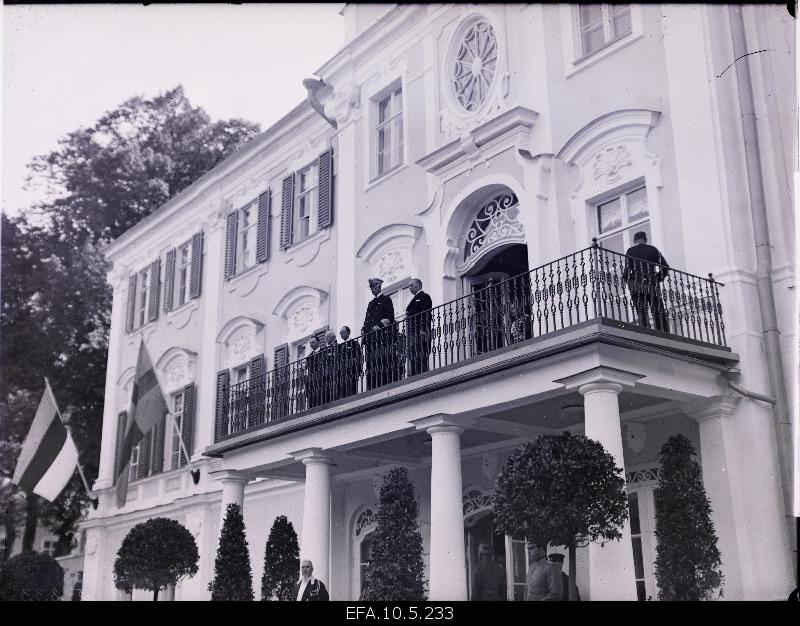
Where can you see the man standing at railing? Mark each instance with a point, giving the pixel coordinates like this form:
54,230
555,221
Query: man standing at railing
378,344
312,386
418,328
350,360
645,269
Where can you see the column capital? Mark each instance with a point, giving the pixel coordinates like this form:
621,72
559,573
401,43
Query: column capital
710,408
443,422
231,476
313,456
600,379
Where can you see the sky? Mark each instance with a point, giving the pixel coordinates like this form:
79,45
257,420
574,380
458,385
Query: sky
66,65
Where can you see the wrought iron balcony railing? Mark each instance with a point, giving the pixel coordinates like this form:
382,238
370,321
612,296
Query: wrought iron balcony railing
589,284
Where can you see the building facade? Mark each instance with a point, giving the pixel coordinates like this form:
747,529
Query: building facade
481,149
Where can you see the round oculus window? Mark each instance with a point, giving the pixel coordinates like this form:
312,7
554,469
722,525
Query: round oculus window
474,66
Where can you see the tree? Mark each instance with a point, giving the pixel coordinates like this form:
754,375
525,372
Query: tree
564,490
233,579
31,576
155,554
55,315
281,561
687,558
396,571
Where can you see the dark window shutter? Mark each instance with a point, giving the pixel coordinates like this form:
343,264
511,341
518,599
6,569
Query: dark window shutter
144,455
287,210
187,428
122,420
155,289
157,453
262,234
196,277
221,411
169,280
230,245
131,303
320,335
282,355
325,197
257,366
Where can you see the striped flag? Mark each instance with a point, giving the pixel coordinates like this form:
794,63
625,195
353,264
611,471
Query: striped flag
48,457
147,407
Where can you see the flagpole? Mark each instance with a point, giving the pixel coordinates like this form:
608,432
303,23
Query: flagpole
95,502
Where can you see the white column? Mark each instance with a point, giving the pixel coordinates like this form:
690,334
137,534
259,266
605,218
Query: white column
212,303
347,160
105,476
94,566
447,565
233,484
720,472
315,541
611,571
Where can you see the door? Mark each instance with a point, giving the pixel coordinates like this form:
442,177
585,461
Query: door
487,317
641,506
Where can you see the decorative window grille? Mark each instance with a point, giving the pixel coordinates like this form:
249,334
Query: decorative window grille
474,66
498,219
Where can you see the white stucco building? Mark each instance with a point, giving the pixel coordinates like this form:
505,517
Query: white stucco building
467,145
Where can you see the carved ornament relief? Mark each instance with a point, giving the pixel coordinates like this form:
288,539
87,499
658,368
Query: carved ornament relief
609,162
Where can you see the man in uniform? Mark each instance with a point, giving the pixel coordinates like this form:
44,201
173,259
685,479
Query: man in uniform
377,336
543,581
418,328
558,560
645,269
488,579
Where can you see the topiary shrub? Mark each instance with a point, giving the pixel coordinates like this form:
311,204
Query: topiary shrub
31,576
281,561
687,558
155,554
233,578
396,571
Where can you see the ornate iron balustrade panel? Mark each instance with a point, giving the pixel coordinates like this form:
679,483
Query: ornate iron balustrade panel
588,284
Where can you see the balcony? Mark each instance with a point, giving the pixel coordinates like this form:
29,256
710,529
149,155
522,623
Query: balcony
591,287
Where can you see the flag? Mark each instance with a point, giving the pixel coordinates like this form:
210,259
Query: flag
147,407
48,457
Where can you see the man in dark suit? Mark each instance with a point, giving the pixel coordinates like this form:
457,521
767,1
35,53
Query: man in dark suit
350,358
558,559
645,269
377,331
308,588
418,328
313,374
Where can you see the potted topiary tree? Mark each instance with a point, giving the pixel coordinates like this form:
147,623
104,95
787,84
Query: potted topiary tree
233,578
155,554
396,571
564,490
281,561
687,558
31,576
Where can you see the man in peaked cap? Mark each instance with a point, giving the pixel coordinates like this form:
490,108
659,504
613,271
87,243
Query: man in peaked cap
488,577
378,346
558,559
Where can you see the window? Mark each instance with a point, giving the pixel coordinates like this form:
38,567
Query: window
142,297
389,131
642,503
176,458
183,270
365,557
306,202
136,458
620,218
600,24
246,245
474,66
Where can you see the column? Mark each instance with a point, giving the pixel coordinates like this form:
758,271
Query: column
316,534
212,310
611,571
720,472
105,478
233,484
447,566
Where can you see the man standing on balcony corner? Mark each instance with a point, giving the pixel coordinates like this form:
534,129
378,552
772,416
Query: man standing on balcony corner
645,269
378,345
418,328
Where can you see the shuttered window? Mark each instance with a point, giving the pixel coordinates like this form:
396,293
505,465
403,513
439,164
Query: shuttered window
182,414
307,200
262,236
196,274
247,236
221,408
144,296
157,446
122,420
